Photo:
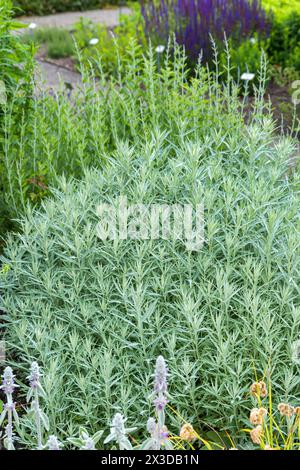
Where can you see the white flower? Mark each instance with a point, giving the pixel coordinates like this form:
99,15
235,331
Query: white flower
32,26
253,40
94,41
247,76
160,49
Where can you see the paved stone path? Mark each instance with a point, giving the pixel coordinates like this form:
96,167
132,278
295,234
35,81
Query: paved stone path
50,75
109,17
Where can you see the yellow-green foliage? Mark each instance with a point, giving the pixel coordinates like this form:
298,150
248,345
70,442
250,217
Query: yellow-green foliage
282,8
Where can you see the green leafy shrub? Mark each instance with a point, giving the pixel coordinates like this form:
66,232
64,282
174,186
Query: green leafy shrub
94,313
244,58
16,72
58,42
282,8
130,28
284,42
284,76
45,7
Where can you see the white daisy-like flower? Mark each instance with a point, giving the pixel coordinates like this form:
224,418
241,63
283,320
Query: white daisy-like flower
160,49
253,40
247,76
94,41
32,26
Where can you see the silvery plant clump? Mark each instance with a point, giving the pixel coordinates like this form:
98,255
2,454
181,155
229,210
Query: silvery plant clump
119,433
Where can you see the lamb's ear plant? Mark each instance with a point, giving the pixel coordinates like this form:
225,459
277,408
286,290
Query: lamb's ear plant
119,434
156,427
34,393
85,441
53,443
9,413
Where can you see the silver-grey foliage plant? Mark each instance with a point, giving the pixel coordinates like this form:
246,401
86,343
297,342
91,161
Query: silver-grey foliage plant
93,312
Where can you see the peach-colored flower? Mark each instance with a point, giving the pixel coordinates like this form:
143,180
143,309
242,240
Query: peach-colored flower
259,389
297,411
187,433
257,416
256,434
286,409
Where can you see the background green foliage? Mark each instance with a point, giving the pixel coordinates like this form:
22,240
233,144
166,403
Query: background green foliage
244,58
284,44
16,75
46,7
130,27
58,42
282,8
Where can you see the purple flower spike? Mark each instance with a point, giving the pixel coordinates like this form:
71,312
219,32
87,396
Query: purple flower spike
193,21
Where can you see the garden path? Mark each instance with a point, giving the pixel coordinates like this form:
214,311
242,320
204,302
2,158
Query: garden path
108,17
50,75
